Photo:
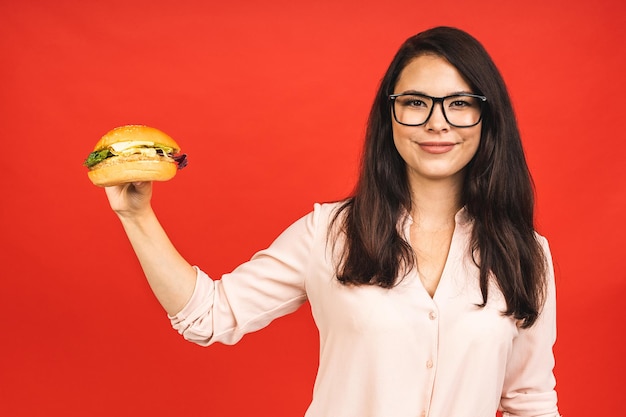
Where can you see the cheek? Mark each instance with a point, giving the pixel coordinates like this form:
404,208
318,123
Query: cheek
396,132
472,141
397,137
402,134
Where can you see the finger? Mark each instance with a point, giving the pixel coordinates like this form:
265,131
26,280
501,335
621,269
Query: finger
141,184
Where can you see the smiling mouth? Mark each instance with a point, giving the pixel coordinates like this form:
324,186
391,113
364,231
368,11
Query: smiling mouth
437,147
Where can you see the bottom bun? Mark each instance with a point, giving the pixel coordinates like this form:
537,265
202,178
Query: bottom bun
132,171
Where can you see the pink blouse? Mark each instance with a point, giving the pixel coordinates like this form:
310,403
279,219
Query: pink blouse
387,352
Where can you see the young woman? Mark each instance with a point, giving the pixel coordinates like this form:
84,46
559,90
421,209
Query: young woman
432,293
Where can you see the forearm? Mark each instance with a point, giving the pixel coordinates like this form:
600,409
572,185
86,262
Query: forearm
170,276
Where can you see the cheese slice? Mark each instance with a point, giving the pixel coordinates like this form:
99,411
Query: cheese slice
122,146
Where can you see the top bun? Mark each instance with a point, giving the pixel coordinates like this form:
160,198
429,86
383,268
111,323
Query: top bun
136,132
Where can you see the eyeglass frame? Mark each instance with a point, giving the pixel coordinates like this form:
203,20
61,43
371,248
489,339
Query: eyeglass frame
393,97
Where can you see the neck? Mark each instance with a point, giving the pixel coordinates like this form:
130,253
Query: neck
435,202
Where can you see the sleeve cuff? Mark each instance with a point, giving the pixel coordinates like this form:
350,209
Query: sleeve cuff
197,303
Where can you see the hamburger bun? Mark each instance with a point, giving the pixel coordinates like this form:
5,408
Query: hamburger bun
134,153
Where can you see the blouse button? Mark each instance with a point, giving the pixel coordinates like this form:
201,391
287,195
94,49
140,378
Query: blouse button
432,315
429,364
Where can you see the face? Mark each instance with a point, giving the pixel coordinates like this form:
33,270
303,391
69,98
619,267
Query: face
435,150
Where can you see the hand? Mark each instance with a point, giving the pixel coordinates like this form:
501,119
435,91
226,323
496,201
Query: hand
130,199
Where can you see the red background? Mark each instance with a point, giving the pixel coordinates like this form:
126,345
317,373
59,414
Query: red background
269,99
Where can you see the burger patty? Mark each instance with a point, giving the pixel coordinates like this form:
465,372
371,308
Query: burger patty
113,160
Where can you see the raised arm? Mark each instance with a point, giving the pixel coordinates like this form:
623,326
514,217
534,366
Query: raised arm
170,276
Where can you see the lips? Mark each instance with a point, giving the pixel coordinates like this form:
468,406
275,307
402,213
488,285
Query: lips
437,147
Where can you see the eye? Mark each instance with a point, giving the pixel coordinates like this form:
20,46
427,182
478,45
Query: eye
461,103
412,101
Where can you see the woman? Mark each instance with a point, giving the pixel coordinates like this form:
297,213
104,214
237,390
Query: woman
432,293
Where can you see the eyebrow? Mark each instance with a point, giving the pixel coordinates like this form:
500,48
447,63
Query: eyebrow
421,93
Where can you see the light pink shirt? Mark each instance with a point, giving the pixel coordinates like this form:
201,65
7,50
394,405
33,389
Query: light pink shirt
387,352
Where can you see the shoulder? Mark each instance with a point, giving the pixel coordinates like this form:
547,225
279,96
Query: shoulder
334,214
330,209
545,246
317,221
323,214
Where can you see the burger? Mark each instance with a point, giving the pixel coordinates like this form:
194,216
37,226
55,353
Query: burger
134,153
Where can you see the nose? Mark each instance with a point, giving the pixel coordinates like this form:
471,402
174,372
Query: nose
437,120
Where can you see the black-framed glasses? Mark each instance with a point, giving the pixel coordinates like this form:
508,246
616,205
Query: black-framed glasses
459,110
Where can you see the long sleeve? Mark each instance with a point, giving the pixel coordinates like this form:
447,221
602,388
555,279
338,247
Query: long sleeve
529,379
268,286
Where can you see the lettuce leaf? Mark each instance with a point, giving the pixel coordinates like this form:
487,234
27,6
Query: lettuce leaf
96,157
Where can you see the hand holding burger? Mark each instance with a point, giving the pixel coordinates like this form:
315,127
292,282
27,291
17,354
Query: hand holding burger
134,153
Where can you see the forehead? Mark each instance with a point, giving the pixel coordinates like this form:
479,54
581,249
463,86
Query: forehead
431,74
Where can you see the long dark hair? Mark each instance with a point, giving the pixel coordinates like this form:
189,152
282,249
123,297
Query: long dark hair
497,193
